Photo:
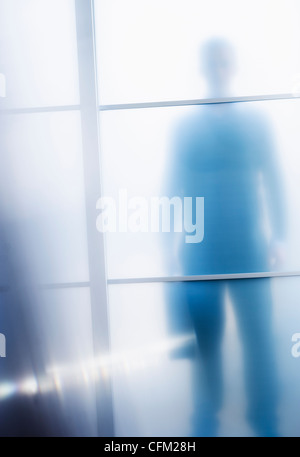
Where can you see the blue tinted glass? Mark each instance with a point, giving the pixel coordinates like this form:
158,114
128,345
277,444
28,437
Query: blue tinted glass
39,52
219,358
151,51
241,158
42,195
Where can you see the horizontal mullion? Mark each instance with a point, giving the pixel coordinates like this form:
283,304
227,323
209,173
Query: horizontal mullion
158,104
67,285
54,286
215,277
163,279
37,110
203,101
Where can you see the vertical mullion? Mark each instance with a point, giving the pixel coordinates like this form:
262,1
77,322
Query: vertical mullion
91,157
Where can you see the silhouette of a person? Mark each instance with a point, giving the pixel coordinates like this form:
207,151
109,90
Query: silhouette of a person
224,153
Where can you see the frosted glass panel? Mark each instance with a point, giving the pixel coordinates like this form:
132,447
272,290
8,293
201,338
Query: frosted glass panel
46,383
153,50
39,52
206,358
42,196
241,158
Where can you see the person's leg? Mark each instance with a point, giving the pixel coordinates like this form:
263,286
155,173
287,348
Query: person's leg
205,303
253,308
179,323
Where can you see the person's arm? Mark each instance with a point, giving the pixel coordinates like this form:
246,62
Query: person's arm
173,186
275,198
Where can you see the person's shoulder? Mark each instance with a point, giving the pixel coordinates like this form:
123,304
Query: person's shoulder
189,122
252,115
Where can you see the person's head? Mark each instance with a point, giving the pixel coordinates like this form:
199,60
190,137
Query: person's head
218,65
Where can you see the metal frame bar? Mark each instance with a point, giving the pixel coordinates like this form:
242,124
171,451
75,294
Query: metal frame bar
203,101
163,279
40,110
217,277
92,178
157,104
